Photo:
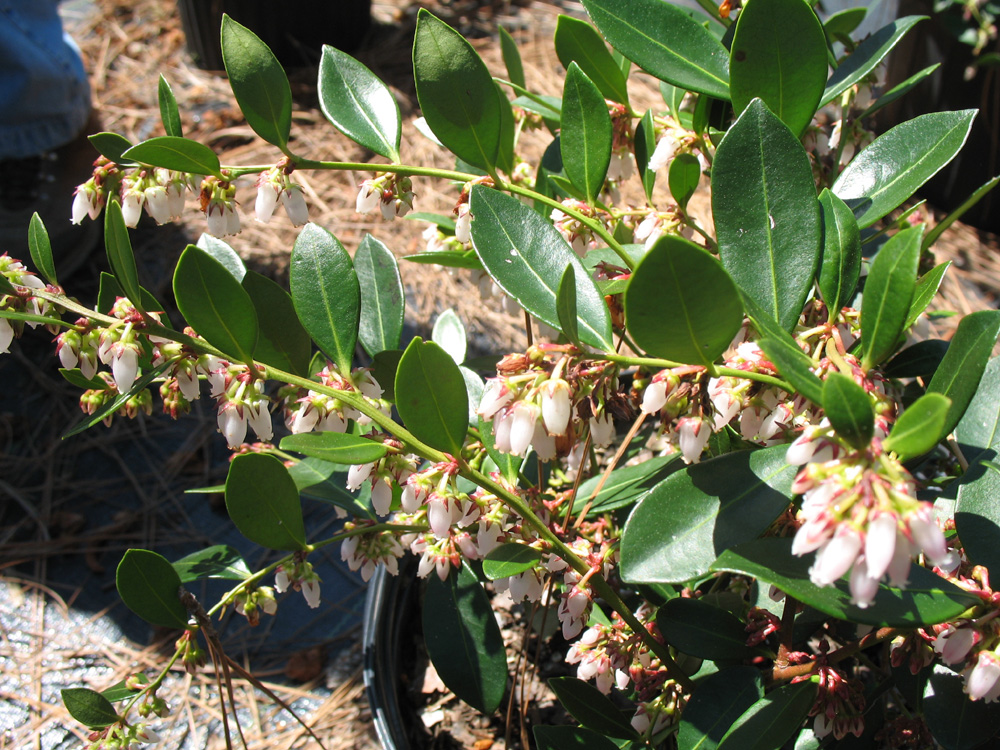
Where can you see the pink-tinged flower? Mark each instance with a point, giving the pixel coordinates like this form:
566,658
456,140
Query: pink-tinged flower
187,381
602,429
369,197
281,581
982,680
295,205
557,406
311,592
232,423
259,419
880,543
899,566
132,207
864,587
175,197
87,202
267,200
543,443
146,735
488,537
463,223
6,335
663,154
157,205
654,397
496,395
692,435
501,431
124,367
954,644
836,557
357,475
381,496
522,429
304,419
927,534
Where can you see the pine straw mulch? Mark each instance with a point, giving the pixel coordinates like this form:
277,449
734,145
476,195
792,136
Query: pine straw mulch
53,487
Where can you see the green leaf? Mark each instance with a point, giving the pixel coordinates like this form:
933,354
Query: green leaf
41,249
326,293
358,104
527,256
447,259
888,293
463,639
843,22
215,304
263,502
772,720
919,428
110,408
840,265
893,166
431,396
508,464
645,145
219,561
705,308
683,177
956,722
449,334
699,629
920,360
179,154
335,447
509,560
779,55
676,531
585,136
665,41
511,58
977,514
566,306
962,368
89,707
766,214
111,146
979,430
927,600
119,250
149,586
625,485
120,691
383,368
592,708
223,253
323,481
508,132
866,57
258,82
577,41
169,114
76,379
456,93
899,90
282,341
717,703
382,302
925,291
849,410
673,97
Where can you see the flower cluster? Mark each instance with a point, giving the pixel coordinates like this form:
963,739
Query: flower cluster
312,410
122,736
391,193
274,187
299,576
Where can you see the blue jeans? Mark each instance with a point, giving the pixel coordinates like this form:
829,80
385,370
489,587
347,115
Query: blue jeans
44,93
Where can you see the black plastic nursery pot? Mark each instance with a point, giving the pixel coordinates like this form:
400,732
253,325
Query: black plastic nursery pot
295,31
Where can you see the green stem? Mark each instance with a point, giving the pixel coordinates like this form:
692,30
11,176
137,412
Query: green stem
714,371
713,10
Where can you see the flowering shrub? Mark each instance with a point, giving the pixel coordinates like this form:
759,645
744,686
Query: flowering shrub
760,512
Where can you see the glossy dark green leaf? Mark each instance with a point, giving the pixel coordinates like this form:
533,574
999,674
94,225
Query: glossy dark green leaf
510,560
566,305
326,293
320,480
89,707
676,531
779,55
527,256
925,291
447,258
358,104
705,308
120,691
625,485
116,403
511,58
840,264
699,629
956,722
382,302
258,82
645,145
508,132
849,409
224,253
867,56
219,561
431,396
383,368
793,364
119,249
169,114
149,586
449,334
571,738
179,154
717,703
666,41
899,90
456,93
772,720
41,249
507,463
335,447
959,375
920,360
75,378
215,304
111,146
843,22
463,639
282,341
683,177
977,514
577,41
893,166
920,427
888,293
592,708
585,136
927,600
766,214
978,432
263,502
